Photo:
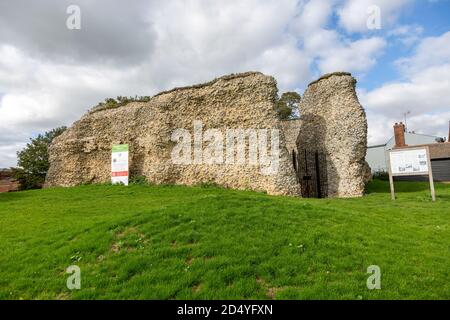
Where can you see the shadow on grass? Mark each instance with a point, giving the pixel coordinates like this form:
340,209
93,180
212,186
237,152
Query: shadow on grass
444,197
382,186
13,196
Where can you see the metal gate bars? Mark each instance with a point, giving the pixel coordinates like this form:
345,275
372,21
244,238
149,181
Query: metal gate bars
311,169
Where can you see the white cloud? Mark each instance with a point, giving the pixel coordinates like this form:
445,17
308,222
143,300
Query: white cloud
406,34
333,52
41,93
432,51
424,92
289,65
312,16
111,31
8,153
50,76
357,56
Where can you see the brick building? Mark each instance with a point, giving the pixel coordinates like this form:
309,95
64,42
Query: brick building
7,182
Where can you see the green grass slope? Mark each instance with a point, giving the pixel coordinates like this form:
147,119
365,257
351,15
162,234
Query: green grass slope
174,242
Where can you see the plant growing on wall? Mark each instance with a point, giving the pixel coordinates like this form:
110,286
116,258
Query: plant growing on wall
111,103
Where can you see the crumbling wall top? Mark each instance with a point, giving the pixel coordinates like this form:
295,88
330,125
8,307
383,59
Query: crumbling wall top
329,75
205,84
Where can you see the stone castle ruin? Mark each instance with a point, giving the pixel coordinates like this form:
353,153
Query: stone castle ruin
332,138
320,155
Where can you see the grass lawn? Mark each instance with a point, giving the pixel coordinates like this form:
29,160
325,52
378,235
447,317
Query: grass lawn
175,242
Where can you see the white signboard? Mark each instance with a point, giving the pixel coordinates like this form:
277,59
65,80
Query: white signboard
409,162
119,164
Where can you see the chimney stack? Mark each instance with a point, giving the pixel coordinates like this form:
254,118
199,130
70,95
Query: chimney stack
399,134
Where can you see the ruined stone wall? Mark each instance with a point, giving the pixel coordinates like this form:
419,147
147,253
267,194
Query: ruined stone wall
291,129
334,122
82,154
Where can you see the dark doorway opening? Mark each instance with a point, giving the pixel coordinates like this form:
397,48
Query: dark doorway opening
311,169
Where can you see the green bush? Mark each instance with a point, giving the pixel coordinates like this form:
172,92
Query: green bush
33,160
111,103
139,180
381,175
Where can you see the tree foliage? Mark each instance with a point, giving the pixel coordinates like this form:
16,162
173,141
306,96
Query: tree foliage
287,105
33,160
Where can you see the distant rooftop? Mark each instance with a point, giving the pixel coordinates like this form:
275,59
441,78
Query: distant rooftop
406,133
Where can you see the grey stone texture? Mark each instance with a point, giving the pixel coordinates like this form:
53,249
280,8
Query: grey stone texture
332,121
82,154
291,129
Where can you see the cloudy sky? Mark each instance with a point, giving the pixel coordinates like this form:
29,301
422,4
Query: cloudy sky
50,75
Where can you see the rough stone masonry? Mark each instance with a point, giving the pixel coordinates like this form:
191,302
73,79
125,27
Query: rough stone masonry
82,154
333,122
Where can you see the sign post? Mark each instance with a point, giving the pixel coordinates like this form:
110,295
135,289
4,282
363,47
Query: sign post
410,162
119,164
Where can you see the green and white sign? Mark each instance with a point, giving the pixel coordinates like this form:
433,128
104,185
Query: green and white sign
119,164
